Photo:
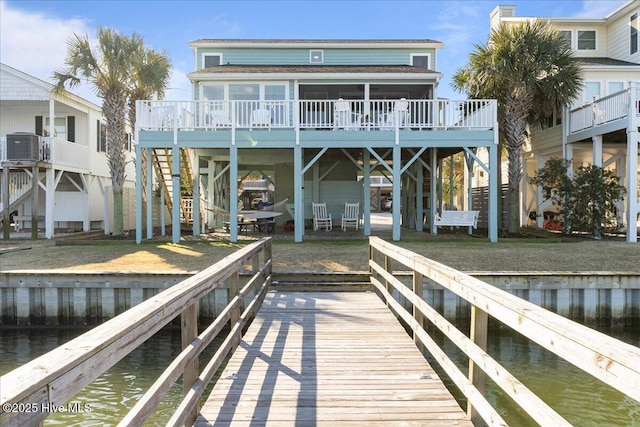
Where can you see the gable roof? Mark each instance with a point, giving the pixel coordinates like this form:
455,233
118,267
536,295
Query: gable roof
19,86
317,43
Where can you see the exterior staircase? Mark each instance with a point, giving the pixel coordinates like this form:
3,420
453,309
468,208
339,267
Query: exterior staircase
162,159
20,186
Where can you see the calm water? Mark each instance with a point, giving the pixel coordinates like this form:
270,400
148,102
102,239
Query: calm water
583,401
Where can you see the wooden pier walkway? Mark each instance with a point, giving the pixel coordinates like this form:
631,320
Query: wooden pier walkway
328,358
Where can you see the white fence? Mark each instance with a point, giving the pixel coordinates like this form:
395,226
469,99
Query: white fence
317,115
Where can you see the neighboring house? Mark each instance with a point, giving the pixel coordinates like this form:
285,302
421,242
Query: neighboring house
313,116
67,155
601,128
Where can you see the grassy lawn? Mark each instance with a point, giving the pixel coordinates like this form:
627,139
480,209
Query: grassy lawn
332,255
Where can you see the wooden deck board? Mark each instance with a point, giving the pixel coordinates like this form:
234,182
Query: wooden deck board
328,358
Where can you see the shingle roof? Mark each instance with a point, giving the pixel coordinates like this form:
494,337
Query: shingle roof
246,68
606,61
316,41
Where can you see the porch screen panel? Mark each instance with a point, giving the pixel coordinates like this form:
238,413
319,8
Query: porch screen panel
250,93
215,95
274,96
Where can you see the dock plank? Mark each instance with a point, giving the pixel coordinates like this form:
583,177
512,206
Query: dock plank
328,358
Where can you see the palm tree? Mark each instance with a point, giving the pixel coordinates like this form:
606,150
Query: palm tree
530,69
151,78
114,69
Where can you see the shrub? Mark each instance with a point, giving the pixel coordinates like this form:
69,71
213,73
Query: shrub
586,200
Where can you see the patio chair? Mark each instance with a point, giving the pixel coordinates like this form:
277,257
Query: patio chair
398,116
343,116
219,119
321,219
351,215
261,118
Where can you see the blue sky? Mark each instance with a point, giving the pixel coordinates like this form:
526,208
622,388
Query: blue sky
33,34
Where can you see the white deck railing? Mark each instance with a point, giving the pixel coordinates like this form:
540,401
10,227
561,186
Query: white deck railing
317,115
603,110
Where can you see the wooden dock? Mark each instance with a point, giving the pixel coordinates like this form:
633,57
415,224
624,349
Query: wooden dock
328,358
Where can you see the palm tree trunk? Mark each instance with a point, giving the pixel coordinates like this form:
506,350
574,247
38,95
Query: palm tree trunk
516,126
114,108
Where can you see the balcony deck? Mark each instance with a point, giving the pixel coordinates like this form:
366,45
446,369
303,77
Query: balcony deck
604,115
283,124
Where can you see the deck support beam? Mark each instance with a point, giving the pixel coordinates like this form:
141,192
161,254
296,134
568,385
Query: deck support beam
366,208
149,176
397,175
494,193
298,194
633,139
196,198
233,193
175,205
49,229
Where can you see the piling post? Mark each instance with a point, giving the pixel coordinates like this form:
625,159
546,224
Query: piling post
477,334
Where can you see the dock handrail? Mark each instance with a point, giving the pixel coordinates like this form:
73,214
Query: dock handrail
53,378
606,358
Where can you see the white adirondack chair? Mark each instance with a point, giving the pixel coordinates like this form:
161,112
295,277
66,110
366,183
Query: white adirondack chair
398,116
343,116
219,119
351,215
261,118
321,219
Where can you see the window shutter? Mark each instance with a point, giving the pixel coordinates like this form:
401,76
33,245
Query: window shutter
39,126
71,128
98,135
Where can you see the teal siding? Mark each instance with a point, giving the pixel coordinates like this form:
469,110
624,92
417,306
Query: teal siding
346,56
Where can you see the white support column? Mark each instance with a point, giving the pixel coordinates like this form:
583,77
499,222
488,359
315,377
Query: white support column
540,197
633,140
138,166
86,221
597,150
50,175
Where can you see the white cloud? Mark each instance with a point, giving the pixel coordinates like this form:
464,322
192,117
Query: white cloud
34,43
599,8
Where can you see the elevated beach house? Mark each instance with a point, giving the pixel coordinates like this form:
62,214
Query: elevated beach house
601,128
53,160
318,118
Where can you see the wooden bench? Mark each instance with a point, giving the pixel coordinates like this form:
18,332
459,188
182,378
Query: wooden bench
19,220
457,219
265,226
242,226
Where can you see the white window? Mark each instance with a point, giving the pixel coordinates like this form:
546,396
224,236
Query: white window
421,60
59,127
566,34
316,56
587,40
634,38
613,87
211,60
591,91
